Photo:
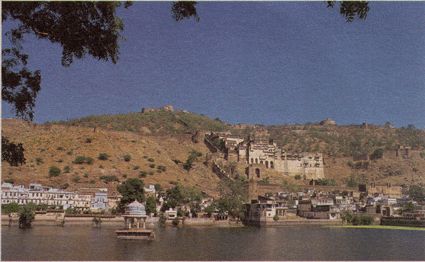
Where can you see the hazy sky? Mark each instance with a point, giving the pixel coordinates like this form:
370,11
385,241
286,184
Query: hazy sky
263,62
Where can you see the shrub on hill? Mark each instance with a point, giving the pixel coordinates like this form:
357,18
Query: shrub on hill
110,178
377,154
66,169
127,158
193,156
54,171
83,160
103,156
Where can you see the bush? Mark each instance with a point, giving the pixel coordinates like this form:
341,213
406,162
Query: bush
136,167
83,160
326,182
193,156
66,169
162,168
352,182
103,156
297,177
276,218
377,154
39,161
86,175
162,219
158,187
92,181
76,179
127,158
54,171
110,178
151,160
88,140
60,148
142,174
64,186
152,165
9,180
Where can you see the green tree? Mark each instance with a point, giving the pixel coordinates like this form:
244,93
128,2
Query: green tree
10,208
193,156
416,192
26,216
233,195
150,205
130,190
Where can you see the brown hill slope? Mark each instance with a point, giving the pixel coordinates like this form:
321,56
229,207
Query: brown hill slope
58,145
160,138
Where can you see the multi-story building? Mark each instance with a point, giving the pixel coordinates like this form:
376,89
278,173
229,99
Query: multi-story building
41,195
259,149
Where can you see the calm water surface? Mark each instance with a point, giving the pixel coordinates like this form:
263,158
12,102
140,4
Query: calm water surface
284,243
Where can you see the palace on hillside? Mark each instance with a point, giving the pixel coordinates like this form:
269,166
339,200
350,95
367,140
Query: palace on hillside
260,149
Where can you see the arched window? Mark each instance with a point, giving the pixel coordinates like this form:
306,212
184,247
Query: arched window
256,160
261,162
252,160
257,172
271,164
267,164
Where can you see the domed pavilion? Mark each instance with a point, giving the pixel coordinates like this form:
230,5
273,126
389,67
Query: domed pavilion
135,212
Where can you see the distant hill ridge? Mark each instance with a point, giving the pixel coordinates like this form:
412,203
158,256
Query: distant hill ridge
331,139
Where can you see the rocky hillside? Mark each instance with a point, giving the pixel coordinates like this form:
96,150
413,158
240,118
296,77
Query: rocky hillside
103,150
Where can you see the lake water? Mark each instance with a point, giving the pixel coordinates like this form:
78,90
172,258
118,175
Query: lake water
284,243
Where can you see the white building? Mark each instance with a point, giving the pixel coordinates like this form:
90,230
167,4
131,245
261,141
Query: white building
40,195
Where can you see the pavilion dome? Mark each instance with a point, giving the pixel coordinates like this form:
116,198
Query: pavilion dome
135,209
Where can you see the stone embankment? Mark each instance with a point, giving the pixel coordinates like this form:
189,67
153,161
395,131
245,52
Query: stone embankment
296,222
60,220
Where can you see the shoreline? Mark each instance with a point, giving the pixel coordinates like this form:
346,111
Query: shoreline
380,227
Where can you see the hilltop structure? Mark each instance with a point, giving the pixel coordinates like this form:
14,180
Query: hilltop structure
167,108
328,122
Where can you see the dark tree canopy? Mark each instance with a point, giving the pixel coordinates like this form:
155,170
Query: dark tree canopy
132,189
184,9
351,9
79,27
12,153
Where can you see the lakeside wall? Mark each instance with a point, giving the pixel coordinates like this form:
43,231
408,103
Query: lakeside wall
54,220
398,221
118,221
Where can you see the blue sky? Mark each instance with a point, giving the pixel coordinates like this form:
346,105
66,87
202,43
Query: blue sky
249,62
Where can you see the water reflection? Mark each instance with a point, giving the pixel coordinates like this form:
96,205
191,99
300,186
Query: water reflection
289,243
